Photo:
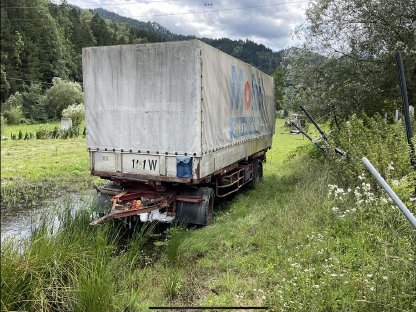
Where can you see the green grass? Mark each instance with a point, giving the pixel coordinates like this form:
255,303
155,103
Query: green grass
44,160
32,168
9,129
281,245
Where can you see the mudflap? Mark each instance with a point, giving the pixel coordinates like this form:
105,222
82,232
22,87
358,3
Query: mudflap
196,213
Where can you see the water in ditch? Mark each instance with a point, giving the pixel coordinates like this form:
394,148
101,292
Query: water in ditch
18,223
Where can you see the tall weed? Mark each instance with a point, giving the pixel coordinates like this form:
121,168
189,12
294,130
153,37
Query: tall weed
383,143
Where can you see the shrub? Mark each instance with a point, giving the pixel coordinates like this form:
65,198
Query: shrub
33,103
42,133
77,114
13,101
14,115
55,133
62,94
3,123
384,144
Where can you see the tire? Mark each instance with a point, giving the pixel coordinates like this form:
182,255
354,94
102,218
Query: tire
196,213
260,170
209,198
257,173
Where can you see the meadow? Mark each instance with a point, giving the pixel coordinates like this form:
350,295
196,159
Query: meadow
34,169
14,129
296,243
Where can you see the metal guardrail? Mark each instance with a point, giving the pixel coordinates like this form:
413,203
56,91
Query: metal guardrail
409,216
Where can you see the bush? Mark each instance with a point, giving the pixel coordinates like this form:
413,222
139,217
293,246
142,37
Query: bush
34,104
42,133
62,94
13,101
384,144
14,115
77,114
3,123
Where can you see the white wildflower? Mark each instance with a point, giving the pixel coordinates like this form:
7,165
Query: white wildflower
390,167
335,209
394,182
332,186
316,286
339,190
366,187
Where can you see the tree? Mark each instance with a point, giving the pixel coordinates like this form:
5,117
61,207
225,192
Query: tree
278,77
62,94
12,109
362,29
349,56
4,84
100,30
33,104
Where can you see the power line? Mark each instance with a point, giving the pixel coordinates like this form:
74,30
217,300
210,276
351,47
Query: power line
128,3
207,11
221,10
96,5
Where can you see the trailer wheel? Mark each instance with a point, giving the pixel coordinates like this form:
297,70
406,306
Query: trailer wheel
209,198
196,213
260,170
257,173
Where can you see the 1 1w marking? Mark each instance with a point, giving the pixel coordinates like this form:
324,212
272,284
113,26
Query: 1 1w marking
151,164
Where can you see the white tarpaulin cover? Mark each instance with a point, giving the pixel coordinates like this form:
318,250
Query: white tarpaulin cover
237,100
183,97
143,97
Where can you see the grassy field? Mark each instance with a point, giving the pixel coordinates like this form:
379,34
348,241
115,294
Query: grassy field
32,168
14,129
290,245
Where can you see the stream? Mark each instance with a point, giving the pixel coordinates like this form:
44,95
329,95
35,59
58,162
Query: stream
18,224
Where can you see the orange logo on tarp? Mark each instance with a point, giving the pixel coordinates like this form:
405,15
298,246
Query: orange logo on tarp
247,95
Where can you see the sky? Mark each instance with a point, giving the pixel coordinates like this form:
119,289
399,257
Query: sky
268,22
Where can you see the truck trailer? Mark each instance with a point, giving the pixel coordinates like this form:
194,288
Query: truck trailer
172,126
